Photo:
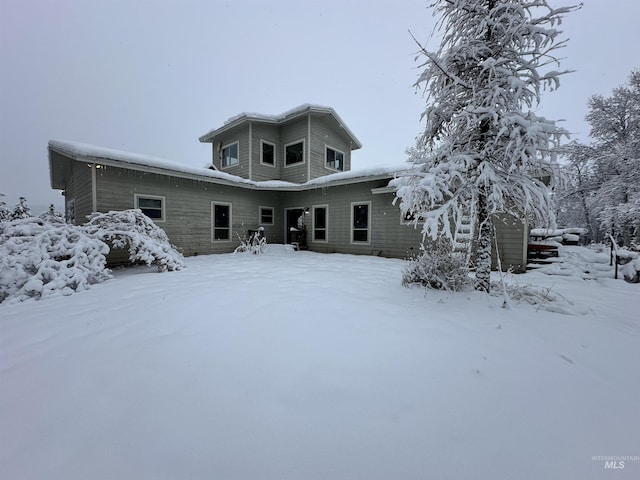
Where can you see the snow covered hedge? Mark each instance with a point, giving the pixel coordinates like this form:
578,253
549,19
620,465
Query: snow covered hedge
40,258
132,229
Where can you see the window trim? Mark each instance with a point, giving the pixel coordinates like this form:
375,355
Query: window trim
262,162
260,215
313,223
213,222
352,227
304,159
222,165
344,158
163,208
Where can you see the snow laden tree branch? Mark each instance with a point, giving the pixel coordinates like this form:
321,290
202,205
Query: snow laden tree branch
483,151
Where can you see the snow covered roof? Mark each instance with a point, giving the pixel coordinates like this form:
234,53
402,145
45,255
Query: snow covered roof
296,112
147,163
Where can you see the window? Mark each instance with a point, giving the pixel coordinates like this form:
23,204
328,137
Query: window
320,223
151,205
267,153
360,222
294,153
334,159
229,155
221,221
266,216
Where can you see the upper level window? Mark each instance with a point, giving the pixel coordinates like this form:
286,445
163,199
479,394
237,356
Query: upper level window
294,153
267,153
151,205
229,155
334,159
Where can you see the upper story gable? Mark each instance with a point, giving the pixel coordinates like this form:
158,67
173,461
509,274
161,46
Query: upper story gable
304,143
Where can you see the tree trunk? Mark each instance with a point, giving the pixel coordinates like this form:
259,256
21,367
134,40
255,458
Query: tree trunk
483,252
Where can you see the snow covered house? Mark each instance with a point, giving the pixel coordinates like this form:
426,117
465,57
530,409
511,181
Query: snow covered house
290,174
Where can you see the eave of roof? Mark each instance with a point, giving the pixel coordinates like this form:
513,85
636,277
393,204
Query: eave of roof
91,154
296,112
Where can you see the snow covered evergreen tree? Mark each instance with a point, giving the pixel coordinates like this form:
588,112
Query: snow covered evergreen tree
52,215
5,214
21,210
484,149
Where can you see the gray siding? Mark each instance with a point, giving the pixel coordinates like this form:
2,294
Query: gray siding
78,189
188,207
322,135
512,236
240,135
271,134
387,236
292,132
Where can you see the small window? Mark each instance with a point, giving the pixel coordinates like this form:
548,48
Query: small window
266,216
320,223
334,159
221,222
294,153
151,205
360,222
267,153
229,155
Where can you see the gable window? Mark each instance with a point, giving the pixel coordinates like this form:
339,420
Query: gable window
229,155
320,223
151,205
294,153
267,153
221,221
334,159
360,222
266,215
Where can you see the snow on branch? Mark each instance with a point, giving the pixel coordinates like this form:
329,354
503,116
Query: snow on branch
134,230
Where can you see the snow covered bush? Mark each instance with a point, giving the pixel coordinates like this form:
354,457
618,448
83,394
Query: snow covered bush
437,267
38,259
254,244
132,229
631,271
5,214
21,210
52,215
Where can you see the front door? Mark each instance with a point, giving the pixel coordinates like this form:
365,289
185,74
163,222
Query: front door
293,224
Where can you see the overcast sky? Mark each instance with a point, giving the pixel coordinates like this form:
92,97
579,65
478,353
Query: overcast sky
152,76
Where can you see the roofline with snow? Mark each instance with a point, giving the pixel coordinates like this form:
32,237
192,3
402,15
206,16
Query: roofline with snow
99,156
280,119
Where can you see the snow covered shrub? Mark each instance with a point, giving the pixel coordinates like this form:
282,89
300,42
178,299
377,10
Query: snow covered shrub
52,215
132,229
437,267
38,259
5,214
21,210
254,244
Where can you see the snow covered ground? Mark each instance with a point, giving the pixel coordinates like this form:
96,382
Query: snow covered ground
295,365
